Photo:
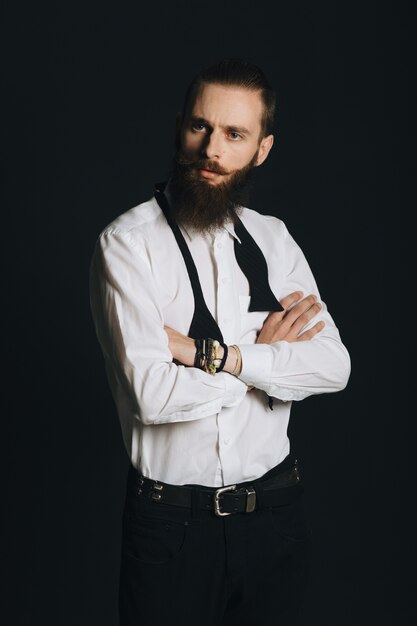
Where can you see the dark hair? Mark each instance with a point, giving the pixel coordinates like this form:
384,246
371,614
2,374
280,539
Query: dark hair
238,73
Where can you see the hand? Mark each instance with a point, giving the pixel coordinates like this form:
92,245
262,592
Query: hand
182,348
286,325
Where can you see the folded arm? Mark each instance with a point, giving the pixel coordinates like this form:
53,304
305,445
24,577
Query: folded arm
297,353
130,328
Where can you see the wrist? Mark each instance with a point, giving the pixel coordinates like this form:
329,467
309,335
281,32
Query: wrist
233,363
210,355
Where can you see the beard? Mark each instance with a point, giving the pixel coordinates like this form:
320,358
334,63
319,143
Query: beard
202,206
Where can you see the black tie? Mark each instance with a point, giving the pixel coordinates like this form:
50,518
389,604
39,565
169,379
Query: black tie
250,260
252,263
203,323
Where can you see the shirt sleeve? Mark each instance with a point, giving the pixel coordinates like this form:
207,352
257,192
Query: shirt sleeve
130,328
296,370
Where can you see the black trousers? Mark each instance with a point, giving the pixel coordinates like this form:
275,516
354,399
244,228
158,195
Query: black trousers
188,567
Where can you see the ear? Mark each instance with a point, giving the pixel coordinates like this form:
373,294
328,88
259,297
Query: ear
264,148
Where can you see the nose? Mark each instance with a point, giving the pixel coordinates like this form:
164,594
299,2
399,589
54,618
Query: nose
212,147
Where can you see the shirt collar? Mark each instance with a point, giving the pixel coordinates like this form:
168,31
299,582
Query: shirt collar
190,232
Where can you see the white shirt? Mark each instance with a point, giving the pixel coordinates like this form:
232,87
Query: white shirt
181,425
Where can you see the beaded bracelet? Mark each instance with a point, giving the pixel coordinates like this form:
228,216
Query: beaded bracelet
207,355
209,365
223,360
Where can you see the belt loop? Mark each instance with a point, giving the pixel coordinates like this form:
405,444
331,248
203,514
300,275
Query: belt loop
257,485
195,503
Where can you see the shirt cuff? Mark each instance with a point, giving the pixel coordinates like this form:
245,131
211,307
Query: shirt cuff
256,364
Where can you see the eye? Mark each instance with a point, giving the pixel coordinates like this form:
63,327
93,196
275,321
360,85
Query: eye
234,136
199,127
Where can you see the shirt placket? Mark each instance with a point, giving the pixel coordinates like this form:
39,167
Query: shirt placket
224,294
225,305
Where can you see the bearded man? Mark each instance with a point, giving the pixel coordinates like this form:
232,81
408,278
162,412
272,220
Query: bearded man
211,324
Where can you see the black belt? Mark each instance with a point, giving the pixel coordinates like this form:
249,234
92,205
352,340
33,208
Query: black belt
247,497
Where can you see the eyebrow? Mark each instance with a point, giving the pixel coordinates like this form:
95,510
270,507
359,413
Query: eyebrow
231,129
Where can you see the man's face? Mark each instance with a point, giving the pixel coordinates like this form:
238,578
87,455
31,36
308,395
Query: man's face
221,132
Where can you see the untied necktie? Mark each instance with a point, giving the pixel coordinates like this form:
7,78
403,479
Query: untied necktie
251,261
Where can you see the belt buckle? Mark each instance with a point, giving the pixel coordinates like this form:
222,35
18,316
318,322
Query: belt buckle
217,494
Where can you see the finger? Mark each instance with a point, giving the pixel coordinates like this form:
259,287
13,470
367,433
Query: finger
304,320
286,304
311,332
291,299
301,308
287,318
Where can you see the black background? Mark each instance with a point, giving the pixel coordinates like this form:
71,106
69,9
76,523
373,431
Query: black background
92,93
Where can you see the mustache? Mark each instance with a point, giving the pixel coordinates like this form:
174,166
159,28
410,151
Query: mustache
201,164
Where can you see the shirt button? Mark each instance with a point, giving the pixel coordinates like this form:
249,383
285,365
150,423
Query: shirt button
226,442
225,280
219,246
